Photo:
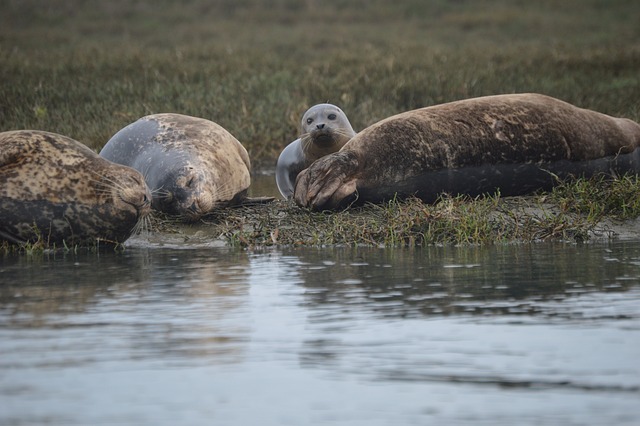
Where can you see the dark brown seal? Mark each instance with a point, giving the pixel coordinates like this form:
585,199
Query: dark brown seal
512,143
56,190
192,165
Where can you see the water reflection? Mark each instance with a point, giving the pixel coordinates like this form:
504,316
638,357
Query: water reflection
441,335
163,305
510,280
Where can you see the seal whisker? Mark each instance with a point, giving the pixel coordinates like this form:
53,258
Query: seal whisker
104,187
224,192
343,132
107,183
161,194
142,226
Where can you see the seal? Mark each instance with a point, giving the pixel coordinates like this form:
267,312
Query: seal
55,190
192,165
514,144
324,129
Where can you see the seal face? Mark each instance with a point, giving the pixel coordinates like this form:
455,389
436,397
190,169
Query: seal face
513,143
57,190
191,165
324,129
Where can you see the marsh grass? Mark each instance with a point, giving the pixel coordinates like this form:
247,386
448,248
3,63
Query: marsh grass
86,69
565,214
41,246
574,211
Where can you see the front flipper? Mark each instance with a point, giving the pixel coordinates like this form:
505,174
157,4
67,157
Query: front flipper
329,183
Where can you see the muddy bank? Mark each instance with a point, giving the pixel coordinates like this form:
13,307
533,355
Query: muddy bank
578,211
409,223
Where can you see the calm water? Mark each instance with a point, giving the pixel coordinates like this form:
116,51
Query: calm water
509,335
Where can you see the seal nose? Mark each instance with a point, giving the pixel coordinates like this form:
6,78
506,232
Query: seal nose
320,126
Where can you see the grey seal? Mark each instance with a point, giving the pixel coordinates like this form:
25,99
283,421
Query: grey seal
192,165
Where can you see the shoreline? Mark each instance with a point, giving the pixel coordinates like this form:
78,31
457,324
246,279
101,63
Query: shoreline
578,211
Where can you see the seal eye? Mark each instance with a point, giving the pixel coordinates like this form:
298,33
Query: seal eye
331,116
309,120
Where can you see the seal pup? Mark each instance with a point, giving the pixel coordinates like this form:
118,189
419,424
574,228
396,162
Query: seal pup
56,190
324,129
192,165
512,143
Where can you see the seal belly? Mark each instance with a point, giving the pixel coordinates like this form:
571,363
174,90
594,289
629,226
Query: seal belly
289,164
507,179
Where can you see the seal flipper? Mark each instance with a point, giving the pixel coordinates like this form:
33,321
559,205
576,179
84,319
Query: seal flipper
329,182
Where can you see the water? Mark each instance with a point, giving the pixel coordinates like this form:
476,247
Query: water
507,335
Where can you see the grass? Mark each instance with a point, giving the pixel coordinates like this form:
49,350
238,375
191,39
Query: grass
86,69
565,214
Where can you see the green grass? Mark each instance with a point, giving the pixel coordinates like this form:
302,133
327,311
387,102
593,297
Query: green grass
86,69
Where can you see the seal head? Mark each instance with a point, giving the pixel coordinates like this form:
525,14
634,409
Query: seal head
324,129
56,190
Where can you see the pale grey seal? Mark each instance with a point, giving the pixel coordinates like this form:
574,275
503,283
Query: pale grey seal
324,129
192,165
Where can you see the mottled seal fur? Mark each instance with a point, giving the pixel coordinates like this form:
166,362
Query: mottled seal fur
56,190
192,165
324,129
512,143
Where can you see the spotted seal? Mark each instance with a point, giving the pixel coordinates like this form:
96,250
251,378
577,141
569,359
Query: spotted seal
192,165
512,143
324,129
56,190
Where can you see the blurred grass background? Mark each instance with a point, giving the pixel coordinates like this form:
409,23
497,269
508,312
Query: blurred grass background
87,68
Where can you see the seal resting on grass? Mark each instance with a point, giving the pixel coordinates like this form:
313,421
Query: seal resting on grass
324,129
514,144
56,190
191,165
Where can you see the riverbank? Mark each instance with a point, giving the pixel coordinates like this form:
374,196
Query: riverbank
580,211
584,210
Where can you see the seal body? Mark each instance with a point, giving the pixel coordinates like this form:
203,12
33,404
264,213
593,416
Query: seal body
512,143
56,190
324,129
191,165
